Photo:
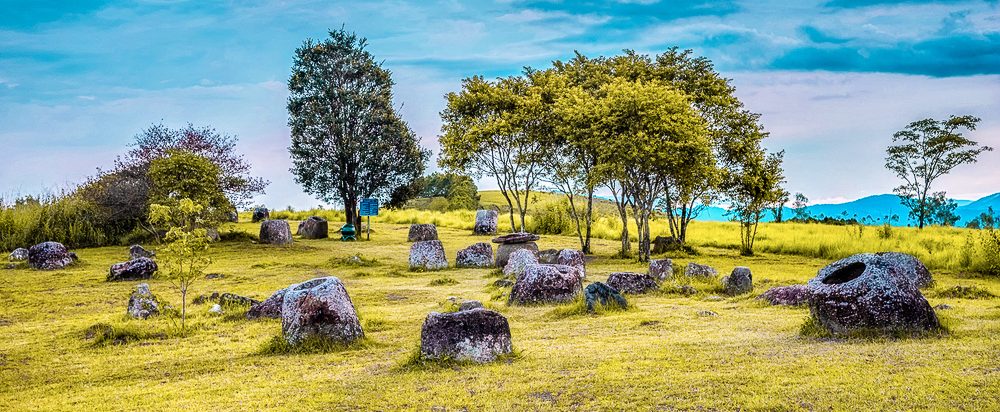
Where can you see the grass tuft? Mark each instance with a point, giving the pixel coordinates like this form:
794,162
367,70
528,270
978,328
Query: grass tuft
578,307
277,345
443,281
965,292
104,334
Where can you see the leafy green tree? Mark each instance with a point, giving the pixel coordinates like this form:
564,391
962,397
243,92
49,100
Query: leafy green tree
652,135
778,208
460,190
755,185
497,129
183,259
924,151
185,175
942,210
159,141
799,207
347,140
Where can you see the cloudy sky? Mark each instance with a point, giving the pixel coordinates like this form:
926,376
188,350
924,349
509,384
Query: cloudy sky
833,78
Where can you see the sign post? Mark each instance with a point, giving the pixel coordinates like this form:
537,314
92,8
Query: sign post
369,207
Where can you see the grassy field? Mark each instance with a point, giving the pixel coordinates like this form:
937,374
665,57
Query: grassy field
660,355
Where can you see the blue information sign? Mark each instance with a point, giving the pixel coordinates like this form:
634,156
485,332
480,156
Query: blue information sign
369,207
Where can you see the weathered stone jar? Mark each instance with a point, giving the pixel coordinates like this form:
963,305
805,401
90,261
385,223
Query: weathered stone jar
868,293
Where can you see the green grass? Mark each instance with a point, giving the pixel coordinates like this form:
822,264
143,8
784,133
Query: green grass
660,354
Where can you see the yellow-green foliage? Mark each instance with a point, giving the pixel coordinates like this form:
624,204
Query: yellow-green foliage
65,219
67,344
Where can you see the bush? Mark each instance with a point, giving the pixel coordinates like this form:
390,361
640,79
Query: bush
552,219
65,219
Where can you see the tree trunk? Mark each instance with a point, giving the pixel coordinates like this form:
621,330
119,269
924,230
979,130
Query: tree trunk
590,220
351,212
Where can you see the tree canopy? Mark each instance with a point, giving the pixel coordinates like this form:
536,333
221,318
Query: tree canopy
924,151
347,140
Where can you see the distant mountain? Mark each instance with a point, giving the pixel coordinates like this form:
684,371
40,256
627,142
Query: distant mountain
880,208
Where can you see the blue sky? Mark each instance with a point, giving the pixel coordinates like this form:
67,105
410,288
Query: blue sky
833,78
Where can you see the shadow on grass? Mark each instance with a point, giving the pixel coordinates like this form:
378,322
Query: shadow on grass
812,329
106,334
415,361
578,307
277,346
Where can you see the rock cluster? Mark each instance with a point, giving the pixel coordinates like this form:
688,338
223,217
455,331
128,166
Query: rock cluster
314,228
518,262
512,242
486,222
259,214
546,284
142,304
738,282
664,244
428,255
477,335
632,283
135,269
869,292
698,270
49,256
793,295
479,255
275,232
598,293
319,308
422,232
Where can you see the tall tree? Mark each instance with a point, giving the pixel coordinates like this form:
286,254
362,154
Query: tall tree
348,141
497,129
651,136
799,206
924,151
756,184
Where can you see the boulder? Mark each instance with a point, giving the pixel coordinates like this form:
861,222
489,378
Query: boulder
486,222
696,270
574,258
546,284
548,256
233,216
275,232
911,266
269,308
868,292
422,232
661,269
260,214
470,305
216,309
135,269
319,308
479,255
314,228
519,260
506,249
477,335
142,304
49,256
598,293
517,237
794,295
664,244
632,283
428,255
137,251
232,299
738,282
19,254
